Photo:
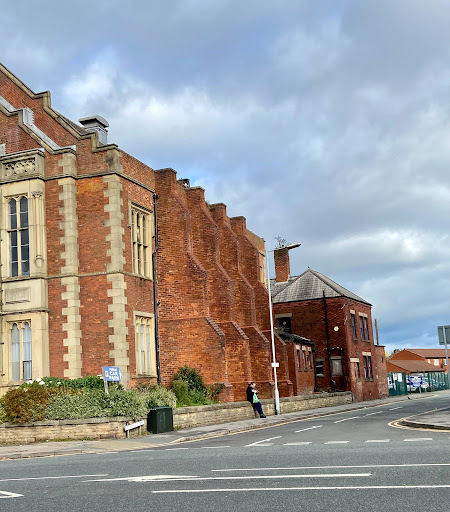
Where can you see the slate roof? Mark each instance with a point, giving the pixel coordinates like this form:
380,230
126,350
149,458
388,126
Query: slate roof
412,366
309,285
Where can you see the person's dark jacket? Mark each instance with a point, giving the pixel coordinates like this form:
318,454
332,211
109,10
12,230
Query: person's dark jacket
250,394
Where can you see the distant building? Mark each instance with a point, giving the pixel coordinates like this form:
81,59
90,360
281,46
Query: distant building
418,360
339,324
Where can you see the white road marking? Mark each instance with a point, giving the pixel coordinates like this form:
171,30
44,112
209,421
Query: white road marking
50,477
149,478
4,494
378,441
336,442
165,478
309,428
139,451
214,447
262,441
292,468
346,419
419,439
372,413
173,449
277,489
300,443
395,408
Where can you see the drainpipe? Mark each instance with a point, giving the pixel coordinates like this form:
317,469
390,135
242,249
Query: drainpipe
333,383
155,287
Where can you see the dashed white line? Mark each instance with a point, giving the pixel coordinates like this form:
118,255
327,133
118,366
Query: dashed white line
173,449
309,428
172,478
4,494
300,443
262,441
347,419
378,441
372,413
419,439
277,489
336,442
395,408
214,447
50,477
295,468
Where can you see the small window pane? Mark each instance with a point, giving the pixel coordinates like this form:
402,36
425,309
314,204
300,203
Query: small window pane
24,212
12,214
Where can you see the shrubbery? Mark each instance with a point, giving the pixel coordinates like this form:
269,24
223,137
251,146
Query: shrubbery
190,389
57,399
93,403
159,396
26,404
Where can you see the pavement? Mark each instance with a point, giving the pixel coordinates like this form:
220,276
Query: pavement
437,419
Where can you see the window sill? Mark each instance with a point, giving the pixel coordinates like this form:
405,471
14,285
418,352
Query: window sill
369,380
320,375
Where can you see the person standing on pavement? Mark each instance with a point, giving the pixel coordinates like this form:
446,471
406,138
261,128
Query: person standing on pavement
252,397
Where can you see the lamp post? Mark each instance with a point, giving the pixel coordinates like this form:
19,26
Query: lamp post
275,365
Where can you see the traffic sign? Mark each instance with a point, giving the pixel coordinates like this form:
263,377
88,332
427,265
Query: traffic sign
111,373
444,334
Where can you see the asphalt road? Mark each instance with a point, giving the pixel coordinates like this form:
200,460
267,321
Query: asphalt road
349,461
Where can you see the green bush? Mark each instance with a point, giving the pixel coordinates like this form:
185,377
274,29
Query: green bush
94,403
2,413
126,403
181,390
26,404
192,377
190,389
213,391
159,396
76,404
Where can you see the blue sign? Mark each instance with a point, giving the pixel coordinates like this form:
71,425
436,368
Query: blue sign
416,381
112,373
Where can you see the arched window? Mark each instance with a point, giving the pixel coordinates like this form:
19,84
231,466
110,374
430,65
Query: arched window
15,352
21,351
19,241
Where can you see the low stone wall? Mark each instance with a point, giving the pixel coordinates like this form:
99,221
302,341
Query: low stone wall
198,416
63,430
102,428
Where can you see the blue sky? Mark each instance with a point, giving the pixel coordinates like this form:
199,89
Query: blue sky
325,123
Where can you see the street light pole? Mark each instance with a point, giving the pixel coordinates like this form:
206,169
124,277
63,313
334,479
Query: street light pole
275,365
272,335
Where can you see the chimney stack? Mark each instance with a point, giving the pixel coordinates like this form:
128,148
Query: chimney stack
96,124
282,265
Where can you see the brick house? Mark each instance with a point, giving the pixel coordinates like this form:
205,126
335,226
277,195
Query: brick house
338,322
106,261
418,360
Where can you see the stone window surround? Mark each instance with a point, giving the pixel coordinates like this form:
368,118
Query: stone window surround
145,247
142,318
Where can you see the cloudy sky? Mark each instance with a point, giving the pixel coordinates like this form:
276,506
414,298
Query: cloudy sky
323,122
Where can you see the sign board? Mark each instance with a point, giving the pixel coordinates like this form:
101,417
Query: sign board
444,340
416,381
111,373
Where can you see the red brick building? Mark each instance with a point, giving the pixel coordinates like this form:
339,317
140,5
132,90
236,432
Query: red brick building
413,360
106,261
338,322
